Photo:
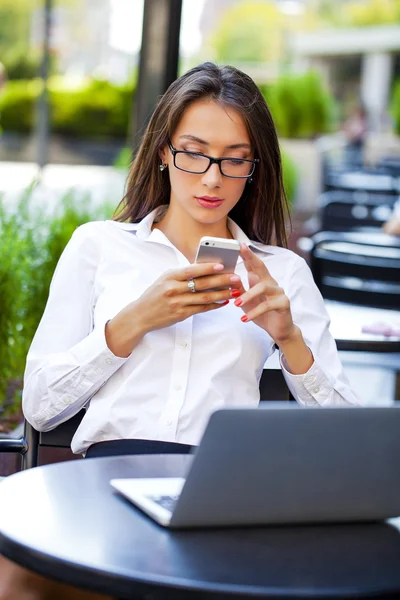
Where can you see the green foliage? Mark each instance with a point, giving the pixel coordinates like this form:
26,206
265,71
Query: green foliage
124,159
31,243
15,22
300,105
371,12
17,105
98,109
95,110
395,106
290,177
249,31
15,246
19,63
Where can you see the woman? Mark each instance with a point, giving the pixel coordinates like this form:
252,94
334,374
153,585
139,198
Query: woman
124,335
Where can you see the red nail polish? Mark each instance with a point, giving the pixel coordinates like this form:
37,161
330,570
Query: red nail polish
235,293
244,319
238,302
225,303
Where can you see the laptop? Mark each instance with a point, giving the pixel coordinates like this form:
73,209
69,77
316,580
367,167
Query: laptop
282,464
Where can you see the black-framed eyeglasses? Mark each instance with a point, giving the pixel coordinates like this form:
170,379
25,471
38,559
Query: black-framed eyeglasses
197,163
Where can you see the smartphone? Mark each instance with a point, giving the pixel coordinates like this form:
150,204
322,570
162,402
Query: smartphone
219,250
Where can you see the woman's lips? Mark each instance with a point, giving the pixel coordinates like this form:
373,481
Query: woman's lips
209,201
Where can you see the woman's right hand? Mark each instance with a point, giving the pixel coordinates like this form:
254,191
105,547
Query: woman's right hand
168,301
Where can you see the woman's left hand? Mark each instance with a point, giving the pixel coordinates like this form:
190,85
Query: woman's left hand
265,303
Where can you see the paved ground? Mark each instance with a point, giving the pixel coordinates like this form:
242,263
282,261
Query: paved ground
102,184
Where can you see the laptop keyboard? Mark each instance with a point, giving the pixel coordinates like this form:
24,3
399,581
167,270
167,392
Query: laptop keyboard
167,502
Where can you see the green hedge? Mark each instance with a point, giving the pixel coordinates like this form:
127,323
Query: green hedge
395,106
17,105
290,177
96,110
31,243
300,105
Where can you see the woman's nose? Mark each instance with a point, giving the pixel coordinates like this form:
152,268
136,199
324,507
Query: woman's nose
212,177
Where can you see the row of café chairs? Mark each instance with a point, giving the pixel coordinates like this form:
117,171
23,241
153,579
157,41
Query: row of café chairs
357,267
391,165
370,180
341,210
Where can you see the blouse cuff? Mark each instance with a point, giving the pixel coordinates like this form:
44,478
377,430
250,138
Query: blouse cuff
312,387
95,357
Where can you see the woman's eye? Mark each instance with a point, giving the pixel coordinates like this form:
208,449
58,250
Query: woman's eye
236,161
194,155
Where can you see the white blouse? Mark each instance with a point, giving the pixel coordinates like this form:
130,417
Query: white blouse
176,376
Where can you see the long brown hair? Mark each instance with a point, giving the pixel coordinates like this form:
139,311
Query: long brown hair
262,209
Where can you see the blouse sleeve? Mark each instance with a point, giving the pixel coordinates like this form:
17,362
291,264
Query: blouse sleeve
69,359
325,383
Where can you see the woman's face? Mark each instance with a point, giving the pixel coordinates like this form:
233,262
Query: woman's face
207,127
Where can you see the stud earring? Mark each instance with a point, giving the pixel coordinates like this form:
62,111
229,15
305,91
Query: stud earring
250,180
163,166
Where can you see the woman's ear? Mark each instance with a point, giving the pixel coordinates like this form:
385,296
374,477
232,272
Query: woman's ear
163,155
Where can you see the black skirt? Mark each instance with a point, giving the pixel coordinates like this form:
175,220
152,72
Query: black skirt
127,447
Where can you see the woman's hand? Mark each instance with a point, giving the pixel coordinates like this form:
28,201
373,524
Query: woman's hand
169,300
265,303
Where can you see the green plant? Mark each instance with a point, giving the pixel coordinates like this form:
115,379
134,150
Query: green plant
16,244
124,159
21,63
395,106
300,105
290,177
97,109
17,105
31,242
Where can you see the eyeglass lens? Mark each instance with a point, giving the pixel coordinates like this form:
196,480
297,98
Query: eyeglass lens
196,163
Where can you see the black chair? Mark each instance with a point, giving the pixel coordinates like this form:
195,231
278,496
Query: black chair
30,443
344,211
368,180
272,387
391,164
357,267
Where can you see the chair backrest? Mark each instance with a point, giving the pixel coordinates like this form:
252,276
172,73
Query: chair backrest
342,211
391,164
362,180
357,267
60,437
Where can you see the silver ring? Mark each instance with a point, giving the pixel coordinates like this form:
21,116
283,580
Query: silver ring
192,285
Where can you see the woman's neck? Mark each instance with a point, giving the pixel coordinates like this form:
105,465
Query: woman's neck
185,233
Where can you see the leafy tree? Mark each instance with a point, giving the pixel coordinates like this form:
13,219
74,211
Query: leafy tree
249,32
372,12
17,56
354,13
15,20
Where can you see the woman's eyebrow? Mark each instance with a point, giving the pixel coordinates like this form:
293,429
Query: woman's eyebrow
193,138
